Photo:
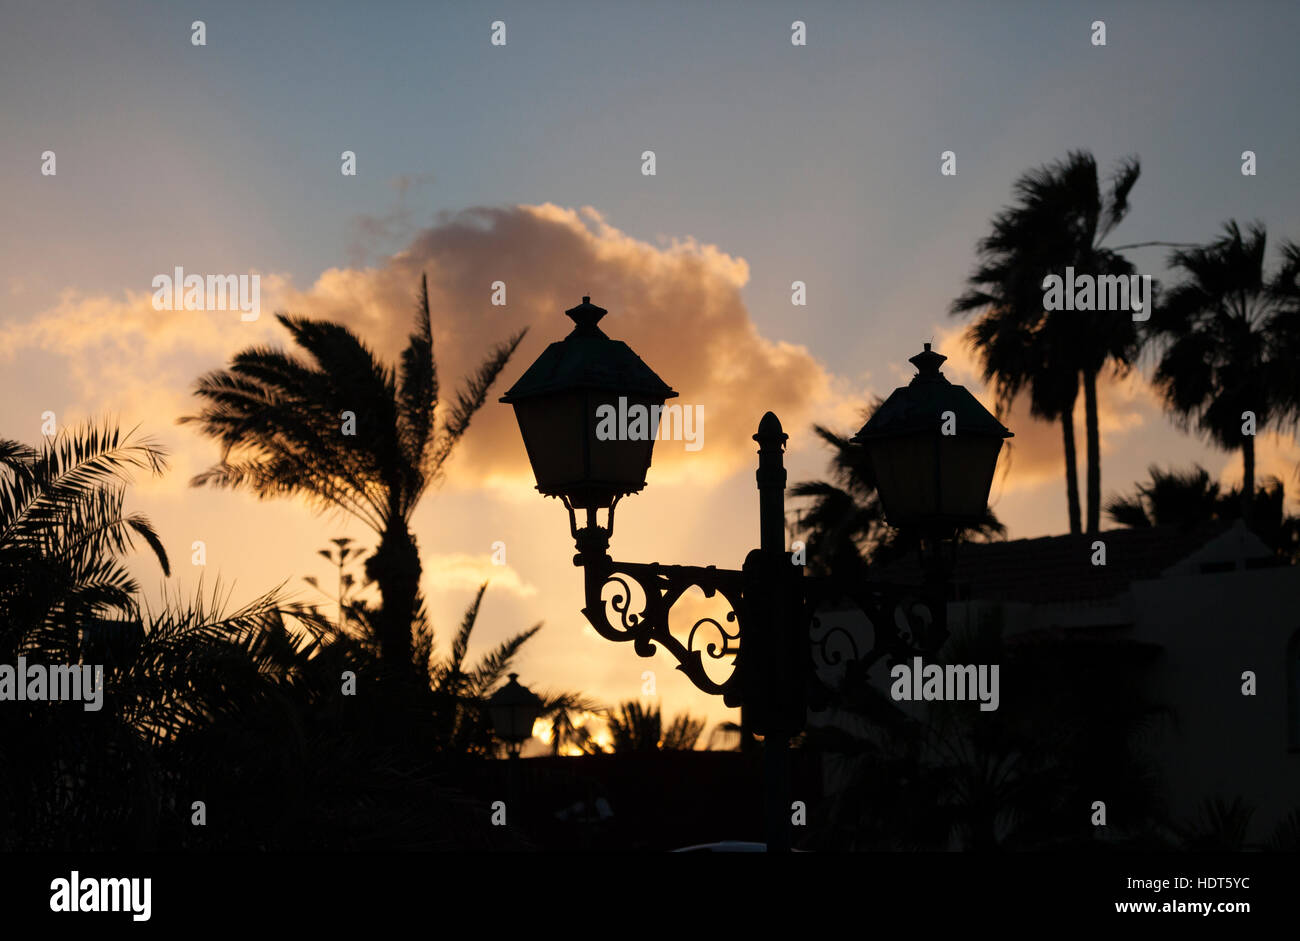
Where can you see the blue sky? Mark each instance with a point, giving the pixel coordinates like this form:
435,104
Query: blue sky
817,163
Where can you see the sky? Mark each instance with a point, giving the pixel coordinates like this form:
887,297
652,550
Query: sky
523,163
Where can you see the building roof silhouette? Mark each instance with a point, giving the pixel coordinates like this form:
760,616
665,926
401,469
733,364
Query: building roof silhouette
1059,568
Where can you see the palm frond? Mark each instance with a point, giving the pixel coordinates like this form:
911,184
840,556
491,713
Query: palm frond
419,387
470,399
494,665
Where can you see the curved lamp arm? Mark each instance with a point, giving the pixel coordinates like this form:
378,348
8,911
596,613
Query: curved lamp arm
662,586
905,620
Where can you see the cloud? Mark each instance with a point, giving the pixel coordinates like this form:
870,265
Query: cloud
119,357
377,233
678,305
459,570
91,326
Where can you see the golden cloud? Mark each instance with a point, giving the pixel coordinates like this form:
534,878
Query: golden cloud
678,305
462,571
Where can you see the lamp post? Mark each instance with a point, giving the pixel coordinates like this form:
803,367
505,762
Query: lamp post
513,709
933,447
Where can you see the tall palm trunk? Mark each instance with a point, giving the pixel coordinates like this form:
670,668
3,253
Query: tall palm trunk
1094,449
1071,467
1248,476
395,568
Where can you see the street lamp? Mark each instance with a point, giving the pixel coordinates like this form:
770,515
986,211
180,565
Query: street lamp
558,403
513,709
933,449
934,452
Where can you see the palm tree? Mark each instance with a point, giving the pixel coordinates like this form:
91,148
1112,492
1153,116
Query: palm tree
1229,336
461,691
637,728
560,709
1170,498
682,733
99,779
1189,499
844,524
240,708
63,531
350,433
1019,356
1062,217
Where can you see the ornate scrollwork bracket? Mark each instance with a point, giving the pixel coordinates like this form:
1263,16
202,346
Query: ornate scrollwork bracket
647,624
903,621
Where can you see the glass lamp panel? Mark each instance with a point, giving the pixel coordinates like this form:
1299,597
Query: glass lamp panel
508,720
500,720
520,726
905,477
622,460
554,432
966,466
573,452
